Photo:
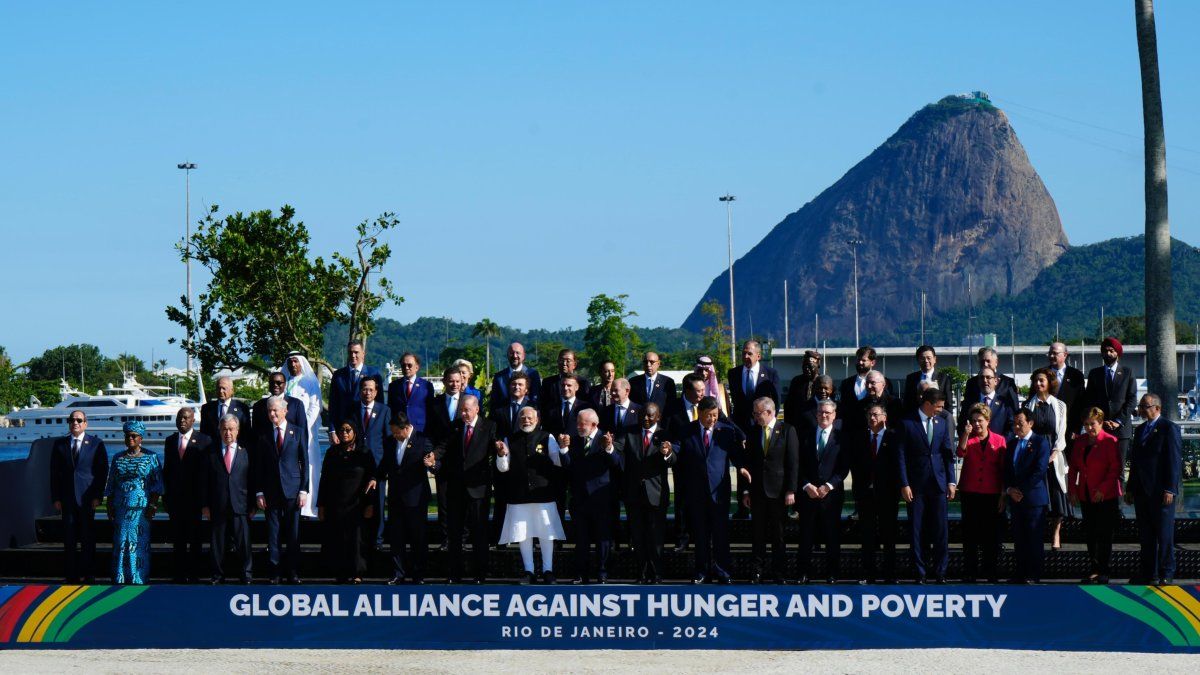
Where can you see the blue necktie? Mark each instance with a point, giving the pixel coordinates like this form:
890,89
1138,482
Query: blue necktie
649,386
1017,454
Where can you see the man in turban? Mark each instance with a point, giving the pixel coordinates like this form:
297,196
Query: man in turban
1113,389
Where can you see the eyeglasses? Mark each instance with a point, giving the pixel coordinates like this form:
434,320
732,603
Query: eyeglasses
75,420
1147,406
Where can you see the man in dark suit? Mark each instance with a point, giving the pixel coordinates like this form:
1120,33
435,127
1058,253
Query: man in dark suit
550,396
276,385
344,388
800,389
747,383
1155,468
464,461
706,449
1003,387
410,394
185,461
803,417
507,416
647,456
371,418
589,460
500,395
225,404
1025,463
228,500
282,489
1000,406
926,464
853,414
652,387
623,413
601,394
1070,387
874,463
854,388
560,418
773,460
677,423
78,474
824,464
1113,389
408,458
928,372
441,414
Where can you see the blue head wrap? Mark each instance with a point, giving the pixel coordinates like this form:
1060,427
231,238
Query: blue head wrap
135,427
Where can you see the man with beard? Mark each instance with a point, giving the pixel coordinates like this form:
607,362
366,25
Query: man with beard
876,491
1113,389
800,389
648,455
590,461
500,394
550,397
529,465
927,374
854,388
999,406
854,417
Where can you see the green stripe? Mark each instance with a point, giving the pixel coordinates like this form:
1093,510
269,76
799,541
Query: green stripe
99,608
1129,606
70,611
1168,609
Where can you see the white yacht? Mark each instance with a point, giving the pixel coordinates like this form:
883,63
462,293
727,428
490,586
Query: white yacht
107,411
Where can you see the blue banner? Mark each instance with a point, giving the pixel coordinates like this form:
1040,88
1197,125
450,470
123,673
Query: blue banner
1058,617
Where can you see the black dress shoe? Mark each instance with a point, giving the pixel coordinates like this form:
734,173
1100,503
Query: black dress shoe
756,578
862,582
602,579
274,581
700,579
246,581
529,579
831,580
724,579
549,578
941,581
216,581
1101,580
294,580
395,581
779,581
802,580
920,581
578,581
478,581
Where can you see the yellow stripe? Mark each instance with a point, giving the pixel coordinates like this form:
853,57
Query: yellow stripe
38,620
1182,601
40,634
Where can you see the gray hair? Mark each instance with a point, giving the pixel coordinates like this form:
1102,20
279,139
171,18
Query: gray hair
276,403
874,375
827,403
764,403
589,415
231,418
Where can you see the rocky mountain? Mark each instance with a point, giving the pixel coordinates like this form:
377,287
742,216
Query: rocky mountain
950,194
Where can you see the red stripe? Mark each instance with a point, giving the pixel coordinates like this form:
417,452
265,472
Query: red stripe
12,610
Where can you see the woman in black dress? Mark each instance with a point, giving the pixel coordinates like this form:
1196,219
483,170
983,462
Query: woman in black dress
1050,420
345,501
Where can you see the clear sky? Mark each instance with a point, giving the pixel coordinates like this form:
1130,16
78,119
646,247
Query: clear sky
588,140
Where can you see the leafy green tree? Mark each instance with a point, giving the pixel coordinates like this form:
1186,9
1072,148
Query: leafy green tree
371,255
267,296
716,335
71,362
473,353
608,337
543,355
487,329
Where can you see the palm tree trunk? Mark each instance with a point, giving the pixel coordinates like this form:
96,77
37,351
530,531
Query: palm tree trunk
1161,363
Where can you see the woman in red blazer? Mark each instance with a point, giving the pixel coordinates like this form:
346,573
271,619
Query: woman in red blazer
980,489
1094,483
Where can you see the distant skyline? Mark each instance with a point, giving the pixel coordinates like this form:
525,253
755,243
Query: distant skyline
591,141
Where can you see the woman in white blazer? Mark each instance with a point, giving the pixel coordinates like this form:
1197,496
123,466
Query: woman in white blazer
1050,420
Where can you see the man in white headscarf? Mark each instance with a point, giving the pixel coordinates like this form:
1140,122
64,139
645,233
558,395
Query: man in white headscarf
304,385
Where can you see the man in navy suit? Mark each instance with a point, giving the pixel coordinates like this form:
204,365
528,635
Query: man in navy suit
622,414
652,387
1003,387
344,388
928,372
507,415
1113,389
550,396
747,383
1070,387
648,455
876,489
276,385
1025,463
407,459
441,414
987,394
225,404
706,449
185,461
78,474
228,501
282,489
854,388
371,418
500,395
590,462
1155,467
926,465
824,464
559,418
464,461
773,460
410,394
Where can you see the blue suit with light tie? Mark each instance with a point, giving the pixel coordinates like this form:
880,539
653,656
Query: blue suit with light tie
926,465
1025,464
283,475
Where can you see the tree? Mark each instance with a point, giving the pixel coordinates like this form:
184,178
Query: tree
372,255
1161,367
487,329
608,337
267,297
716,336
70,362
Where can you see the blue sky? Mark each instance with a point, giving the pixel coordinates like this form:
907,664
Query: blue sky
590,140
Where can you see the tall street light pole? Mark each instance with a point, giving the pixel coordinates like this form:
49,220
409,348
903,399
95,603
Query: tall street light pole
729,199
187,247
854,243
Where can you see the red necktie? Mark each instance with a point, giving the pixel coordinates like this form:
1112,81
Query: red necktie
366,419
408,391
467,439
646,440
228,460
278,441
874,444
182,446
707,439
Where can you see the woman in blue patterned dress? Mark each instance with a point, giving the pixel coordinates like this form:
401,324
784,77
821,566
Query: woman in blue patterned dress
134,484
